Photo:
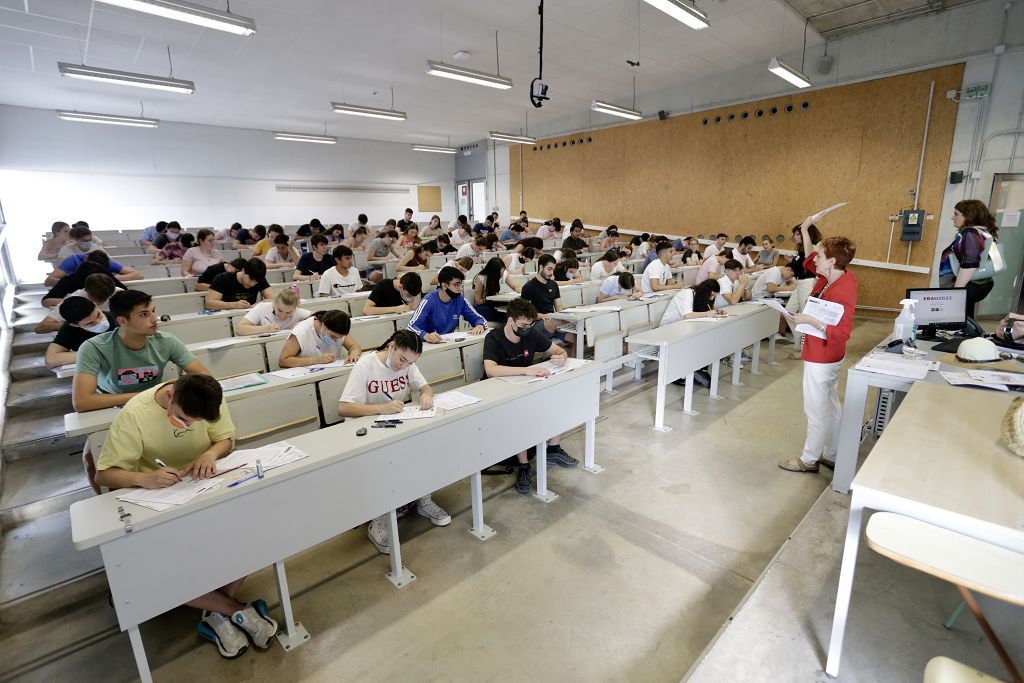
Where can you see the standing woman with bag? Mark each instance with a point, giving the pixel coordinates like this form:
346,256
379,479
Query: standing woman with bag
974,223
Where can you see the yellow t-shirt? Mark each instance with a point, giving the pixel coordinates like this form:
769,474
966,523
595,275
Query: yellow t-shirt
141,433
261,247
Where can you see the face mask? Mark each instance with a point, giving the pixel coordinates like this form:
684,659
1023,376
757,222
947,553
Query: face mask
175,421
85,245
102,326
326,338
452,294
523,331
173,235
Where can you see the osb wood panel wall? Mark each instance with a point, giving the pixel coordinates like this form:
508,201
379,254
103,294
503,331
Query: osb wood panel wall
760,175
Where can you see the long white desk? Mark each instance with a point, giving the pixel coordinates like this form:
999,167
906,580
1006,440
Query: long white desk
346,481
940,461
684,347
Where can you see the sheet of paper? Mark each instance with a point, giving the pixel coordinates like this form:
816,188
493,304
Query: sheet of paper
453,400
591,309
958,379
1011,219
896,366
242,381
367,317
994,377
824,212
270,456
570,364
712,319
178,494
413,413
776,304
216,343
455,336
828,312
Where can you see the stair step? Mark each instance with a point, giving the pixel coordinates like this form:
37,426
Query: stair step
41,572
27,287
41,486
27,367
39,392
38,433
30,342
24,310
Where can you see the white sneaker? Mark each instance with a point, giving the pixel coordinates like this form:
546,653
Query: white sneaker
219,630
378,534
255,620
426,507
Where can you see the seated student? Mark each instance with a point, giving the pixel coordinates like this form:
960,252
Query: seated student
518,258
542,291
711,268
267,317
550,230
97,288
304,230
267,243
484,227
171,232
405,222
610,240
638,247
692,302
227,234
510,350
313,265
379,384
239,289
400,295
97,263
247,237
415,258
657,276
80,242
619,286
514,232
149,233
343,278
72,263
316,227
488,283
433,229
768,254
206,279
461,234
733,285
463,265
609,264
410,237
173,251
172,431
335,234
282,255
60,231
359,241
472,249
742,254
196,260
575,239
83,320
775,279
320,339
380,249
567,272
361,221
717,247
689,251
492,243
440,310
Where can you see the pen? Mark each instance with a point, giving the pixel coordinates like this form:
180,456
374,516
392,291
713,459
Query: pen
388,421
243,479
160,462
384,426
259,467
390,397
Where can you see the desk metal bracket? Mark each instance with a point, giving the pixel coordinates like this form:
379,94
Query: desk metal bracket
126,519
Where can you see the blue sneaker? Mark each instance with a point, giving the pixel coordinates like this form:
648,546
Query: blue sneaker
256,622
219,630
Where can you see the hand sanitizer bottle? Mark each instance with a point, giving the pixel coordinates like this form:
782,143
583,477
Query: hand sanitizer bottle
905,327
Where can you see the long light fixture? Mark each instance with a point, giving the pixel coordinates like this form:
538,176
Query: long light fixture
615,110
372,112
190,13
109,119
461,73
509,137
682,11
439,149
299,137
788,73
92,73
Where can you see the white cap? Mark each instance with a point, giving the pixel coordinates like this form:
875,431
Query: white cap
977,350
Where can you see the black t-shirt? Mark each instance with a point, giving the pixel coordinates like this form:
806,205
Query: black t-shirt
385,295
72,337
72,283
303,231
232,290
541,294
211,272
242,236
799,272
402,224
575,243
308,265
518,354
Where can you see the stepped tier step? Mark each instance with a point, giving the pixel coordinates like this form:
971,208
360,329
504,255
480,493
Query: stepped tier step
30,310
28,366
37,433
27,287
42,486
40,392
30,342
41,572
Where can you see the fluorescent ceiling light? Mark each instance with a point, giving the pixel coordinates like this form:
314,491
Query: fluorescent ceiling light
372,112
299,137
461,73
508,137
192,14
614,110
440,149
788,73
92,73
682,11
109,119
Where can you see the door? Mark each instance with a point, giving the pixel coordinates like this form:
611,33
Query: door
462,192
478,201
1007,204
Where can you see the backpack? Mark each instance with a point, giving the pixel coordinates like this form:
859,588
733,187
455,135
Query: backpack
992,260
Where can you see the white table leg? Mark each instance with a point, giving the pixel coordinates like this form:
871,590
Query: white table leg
638,369
399,575
659,405
294,633
140,655
542,474
688,396
850,426
609,382
716,371
589,441
771,348
476,490
579,344
755,357
737,364
835,645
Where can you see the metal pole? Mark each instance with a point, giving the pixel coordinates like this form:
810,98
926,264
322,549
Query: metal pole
924,142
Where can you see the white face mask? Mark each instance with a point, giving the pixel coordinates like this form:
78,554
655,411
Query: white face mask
100,327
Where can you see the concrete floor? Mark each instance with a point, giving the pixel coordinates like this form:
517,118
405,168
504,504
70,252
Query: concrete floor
628,576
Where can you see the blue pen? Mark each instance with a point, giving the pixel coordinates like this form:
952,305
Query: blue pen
257,474
397,422
390,397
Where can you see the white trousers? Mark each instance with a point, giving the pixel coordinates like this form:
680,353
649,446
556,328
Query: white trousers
821,406
796,303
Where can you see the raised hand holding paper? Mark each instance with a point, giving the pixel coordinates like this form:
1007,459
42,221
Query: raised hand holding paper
824,212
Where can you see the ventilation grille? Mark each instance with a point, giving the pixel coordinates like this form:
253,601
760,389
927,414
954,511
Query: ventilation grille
361,189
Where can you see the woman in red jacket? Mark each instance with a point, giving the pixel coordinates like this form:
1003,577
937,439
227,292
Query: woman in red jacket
823,358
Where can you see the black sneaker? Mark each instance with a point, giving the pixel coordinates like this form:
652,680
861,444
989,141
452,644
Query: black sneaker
557,456
524,477
681,382
702,378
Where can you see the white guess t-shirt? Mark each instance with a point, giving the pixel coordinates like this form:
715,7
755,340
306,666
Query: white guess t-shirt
370,379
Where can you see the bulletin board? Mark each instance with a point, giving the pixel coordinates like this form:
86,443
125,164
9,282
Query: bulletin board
428,198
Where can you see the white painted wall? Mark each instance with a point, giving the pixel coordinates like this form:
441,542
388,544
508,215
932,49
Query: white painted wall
497,181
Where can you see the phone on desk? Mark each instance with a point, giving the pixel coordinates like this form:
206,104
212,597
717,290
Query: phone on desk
895,346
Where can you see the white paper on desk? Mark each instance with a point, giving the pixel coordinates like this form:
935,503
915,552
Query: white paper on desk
414,413
217,343
178,494
708,319
821,214
270,456
591,309
993,377
367,317
958,379
455,336
68,367
774,303
453,400
570,364
242,381
897,366
828,312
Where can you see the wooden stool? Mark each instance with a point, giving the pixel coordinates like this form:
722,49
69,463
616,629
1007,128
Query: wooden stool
966,562
946,670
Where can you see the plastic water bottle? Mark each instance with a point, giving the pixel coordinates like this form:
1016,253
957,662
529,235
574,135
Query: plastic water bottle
905,327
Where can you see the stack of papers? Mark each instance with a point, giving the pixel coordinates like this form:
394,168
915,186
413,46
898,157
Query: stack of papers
412,413
270,456
453,400
774,303
828,312
293,373
455,336
165,498
570,364
242,381
1014,378
592,309
964,379
897,366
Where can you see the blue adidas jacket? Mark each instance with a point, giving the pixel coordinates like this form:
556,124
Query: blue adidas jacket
434,315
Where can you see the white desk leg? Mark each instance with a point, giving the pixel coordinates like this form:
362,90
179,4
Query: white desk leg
755,357
850,425
737,364
716,371
140,655
294,633
835,645
609,382
399,575
638,369
771,348
659,404
542,474
589,439
688,396
476,490
580,343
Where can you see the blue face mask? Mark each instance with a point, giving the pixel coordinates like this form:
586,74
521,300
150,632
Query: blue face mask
173,235
85,245
100,327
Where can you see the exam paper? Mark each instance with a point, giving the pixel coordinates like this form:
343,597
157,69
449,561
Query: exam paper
270,456
455,336
570,364
453,400
413,413
178,494
774,303
242,381
994,377
895,366
821,214
964,379
828,312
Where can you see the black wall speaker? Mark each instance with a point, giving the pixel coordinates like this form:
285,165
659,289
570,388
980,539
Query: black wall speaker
956,177
662,114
